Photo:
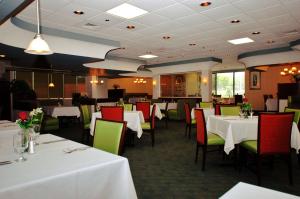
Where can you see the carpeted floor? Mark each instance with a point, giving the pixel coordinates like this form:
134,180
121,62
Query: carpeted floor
168,170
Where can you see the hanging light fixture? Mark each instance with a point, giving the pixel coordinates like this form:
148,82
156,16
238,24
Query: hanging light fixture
51,84
38,46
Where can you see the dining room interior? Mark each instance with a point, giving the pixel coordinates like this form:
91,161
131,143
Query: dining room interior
149,99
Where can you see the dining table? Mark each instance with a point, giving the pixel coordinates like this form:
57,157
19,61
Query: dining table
8,127
61,168
65,111
235,129
162,105
248,191
133,119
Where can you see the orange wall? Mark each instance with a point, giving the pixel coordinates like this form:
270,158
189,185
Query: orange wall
269,81
127,83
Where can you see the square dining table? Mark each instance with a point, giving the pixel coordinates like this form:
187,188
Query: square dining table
51,172
234,130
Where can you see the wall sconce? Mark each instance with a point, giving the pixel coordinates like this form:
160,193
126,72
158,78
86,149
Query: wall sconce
94,81
204,81
102,81
140,81
154,82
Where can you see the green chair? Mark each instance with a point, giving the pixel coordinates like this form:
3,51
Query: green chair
128,107
230,110
297,114
150,126
109,135
86,121
50,124
206,104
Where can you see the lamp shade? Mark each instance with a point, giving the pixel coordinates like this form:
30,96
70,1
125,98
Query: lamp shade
38,46
51,84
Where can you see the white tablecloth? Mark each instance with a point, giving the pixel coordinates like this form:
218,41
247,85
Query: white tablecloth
133,119
272,104
235,130
207,112
247,191
157,111
8,127
51,173
66,111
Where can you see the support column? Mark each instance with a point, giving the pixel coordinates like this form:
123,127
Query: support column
206,87
156,86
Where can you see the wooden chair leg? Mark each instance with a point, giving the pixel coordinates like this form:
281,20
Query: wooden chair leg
258,169
204,148
289,161
197,150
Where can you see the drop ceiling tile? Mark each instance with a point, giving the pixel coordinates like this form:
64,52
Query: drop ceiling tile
242,17
152,4
151,19
224,11
100,20
149,31
124,24
268,12
70,8
175,11
194,19
53,5
195,5
167,26
253,5
282,19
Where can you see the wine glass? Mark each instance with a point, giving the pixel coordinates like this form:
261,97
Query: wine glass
20,143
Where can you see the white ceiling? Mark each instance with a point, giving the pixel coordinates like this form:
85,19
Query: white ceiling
184,20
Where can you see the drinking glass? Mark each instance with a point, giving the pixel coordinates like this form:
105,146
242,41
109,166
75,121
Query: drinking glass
241,114
20,143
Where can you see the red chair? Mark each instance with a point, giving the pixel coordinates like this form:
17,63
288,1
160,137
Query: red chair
112,113
150,126
204,139
217,109
273,138
145,108
188,120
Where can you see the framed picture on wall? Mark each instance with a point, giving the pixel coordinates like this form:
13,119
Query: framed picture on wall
255,80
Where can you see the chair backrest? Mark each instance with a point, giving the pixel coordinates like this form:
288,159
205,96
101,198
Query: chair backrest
109,135
230,110
187,110
297,114
145,108
217,109
274,133
206,104
85,114
200,126
128,107
113,113
152,121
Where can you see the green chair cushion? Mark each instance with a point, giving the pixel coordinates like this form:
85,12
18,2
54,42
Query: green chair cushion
193,121
173,114
146,126
214,139
297,114
206,104
108,136
128,107
250,145
230,110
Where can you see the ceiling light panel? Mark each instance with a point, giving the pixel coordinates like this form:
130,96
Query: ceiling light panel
241,41
148,56
127,11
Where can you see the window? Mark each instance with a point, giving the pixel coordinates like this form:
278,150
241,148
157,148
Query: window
69,85
57,90
228,84
41,84
26,76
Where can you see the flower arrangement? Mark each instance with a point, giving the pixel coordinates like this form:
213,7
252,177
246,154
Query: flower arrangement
246,106
25,121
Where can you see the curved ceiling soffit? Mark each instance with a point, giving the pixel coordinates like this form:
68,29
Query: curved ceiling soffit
271,56
60,41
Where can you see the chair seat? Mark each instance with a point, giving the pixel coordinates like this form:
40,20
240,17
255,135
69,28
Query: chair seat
146,126
250,145
51,121
193,121
214,139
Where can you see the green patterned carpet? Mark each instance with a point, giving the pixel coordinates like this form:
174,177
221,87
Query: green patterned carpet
168,170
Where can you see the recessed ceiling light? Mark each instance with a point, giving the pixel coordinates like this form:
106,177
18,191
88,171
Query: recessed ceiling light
166,37
256,33
235,21
270,41
130,27
78,12
205,3
2,56
107,20
241,41
192,44
127,11
148,56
